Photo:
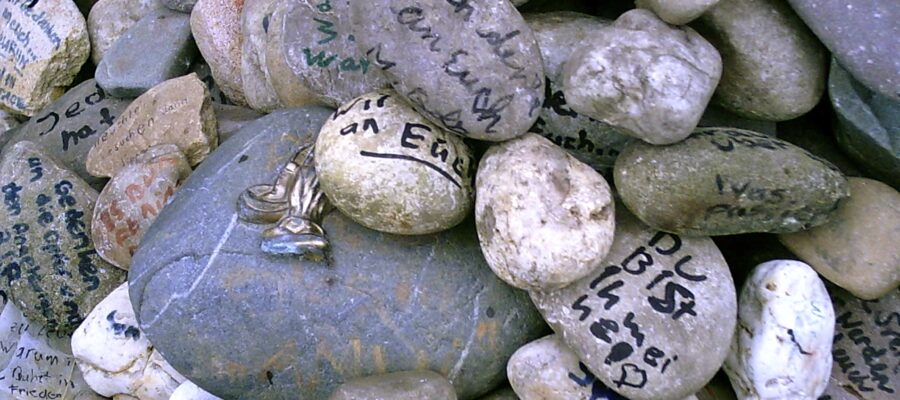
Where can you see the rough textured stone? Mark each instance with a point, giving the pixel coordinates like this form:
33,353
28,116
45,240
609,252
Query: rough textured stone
45,44
773,66
257,85
177,111
529,194
648,79
157,48
856,248
592,142
230,119
110,19
389,169
115,356
69,128
133,198
862,35
241,323
723,181
635,323
189,391
472,67
291,90
677,12
216,25
868,125
50,269
408,385
782,348
185,6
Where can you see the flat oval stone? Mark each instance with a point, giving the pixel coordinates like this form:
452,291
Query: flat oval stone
257,85
782,348
529,193
389,169
189,391
723,181
245,324
132,199
110,19
216,25
635,322
406,385
45,44
177,111
50,268
677,12
472,67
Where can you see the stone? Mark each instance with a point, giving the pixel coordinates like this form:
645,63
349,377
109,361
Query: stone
547,369
592,142
773,67
201,68
648,79
7,122
813,132
185,6
322,52
291,90
677,12
406,385
855,249
865,346
189,391
69,127
868,125
216,25
472,67
504,393
377,303
635,322
782,348
50,268
257,86
724,181
115,356
862,35
389,169
718,117
36,73
157,48
177,111
230,119
530,193
110,19
133,198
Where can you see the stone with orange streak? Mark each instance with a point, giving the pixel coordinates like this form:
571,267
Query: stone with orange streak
131,201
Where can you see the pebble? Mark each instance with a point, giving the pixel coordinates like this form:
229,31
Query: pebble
185,6
157,48
782,348
115,356
53,275
291,90
133,198
592,142
216,25
776,73
648,79
530,193
406,385
377,303
677,12
177,111
472,67
723,181
45,44
110,19
389,169
257,84
189,391
635,322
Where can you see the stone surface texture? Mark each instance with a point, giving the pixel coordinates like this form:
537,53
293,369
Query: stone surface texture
110,19
185,6
677,12
257,85
406,385
216,25
230,119
189,391
291,90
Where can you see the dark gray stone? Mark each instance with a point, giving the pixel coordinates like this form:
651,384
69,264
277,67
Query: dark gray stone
249,325
185,6
868,125
157,48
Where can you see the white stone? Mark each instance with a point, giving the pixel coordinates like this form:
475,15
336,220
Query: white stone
544,218
677,12
189,391
109,19
782,347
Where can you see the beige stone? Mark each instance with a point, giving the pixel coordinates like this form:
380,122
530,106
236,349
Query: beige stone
677,12
406,385
857,248
546,369
257,85
45,43
216,25
177,111
109,19
291,90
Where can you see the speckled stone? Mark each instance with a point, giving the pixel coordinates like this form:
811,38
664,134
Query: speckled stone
471,67
723,181
782,348
50,269
257,84
407,385
635,322
216,25
189,391
677,12
110,19
529,193
389,169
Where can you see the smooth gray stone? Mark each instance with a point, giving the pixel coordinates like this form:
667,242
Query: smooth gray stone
157,48
868,125
185,6
249,325
230,119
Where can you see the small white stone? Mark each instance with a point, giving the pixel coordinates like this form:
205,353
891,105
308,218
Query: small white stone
189,391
